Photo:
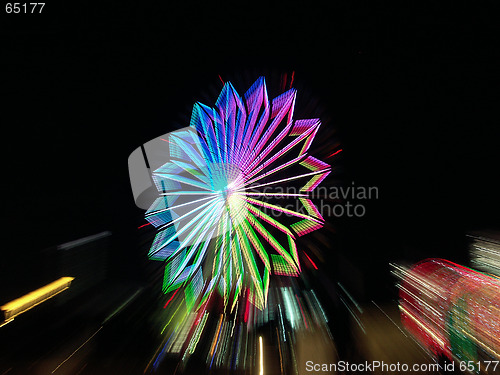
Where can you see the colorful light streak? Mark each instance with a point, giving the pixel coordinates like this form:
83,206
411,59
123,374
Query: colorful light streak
210,211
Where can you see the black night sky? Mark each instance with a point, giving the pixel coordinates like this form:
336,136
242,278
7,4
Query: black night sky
410,87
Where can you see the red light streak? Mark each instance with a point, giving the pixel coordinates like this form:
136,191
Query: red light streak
200,315
310,260
173,295
335,153
166,140
293,75
284,77
221,80
143,225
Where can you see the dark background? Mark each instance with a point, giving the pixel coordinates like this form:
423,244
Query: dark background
410,87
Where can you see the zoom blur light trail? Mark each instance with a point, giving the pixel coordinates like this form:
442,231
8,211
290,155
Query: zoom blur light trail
22,304
452,310
214,210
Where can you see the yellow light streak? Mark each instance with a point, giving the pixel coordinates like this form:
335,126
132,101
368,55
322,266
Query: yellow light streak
261,372
421,325
36,297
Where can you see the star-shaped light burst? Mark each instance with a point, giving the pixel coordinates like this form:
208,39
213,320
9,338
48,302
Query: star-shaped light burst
214,210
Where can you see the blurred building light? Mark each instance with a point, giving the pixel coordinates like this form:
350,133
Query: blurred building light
451,310
485,253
